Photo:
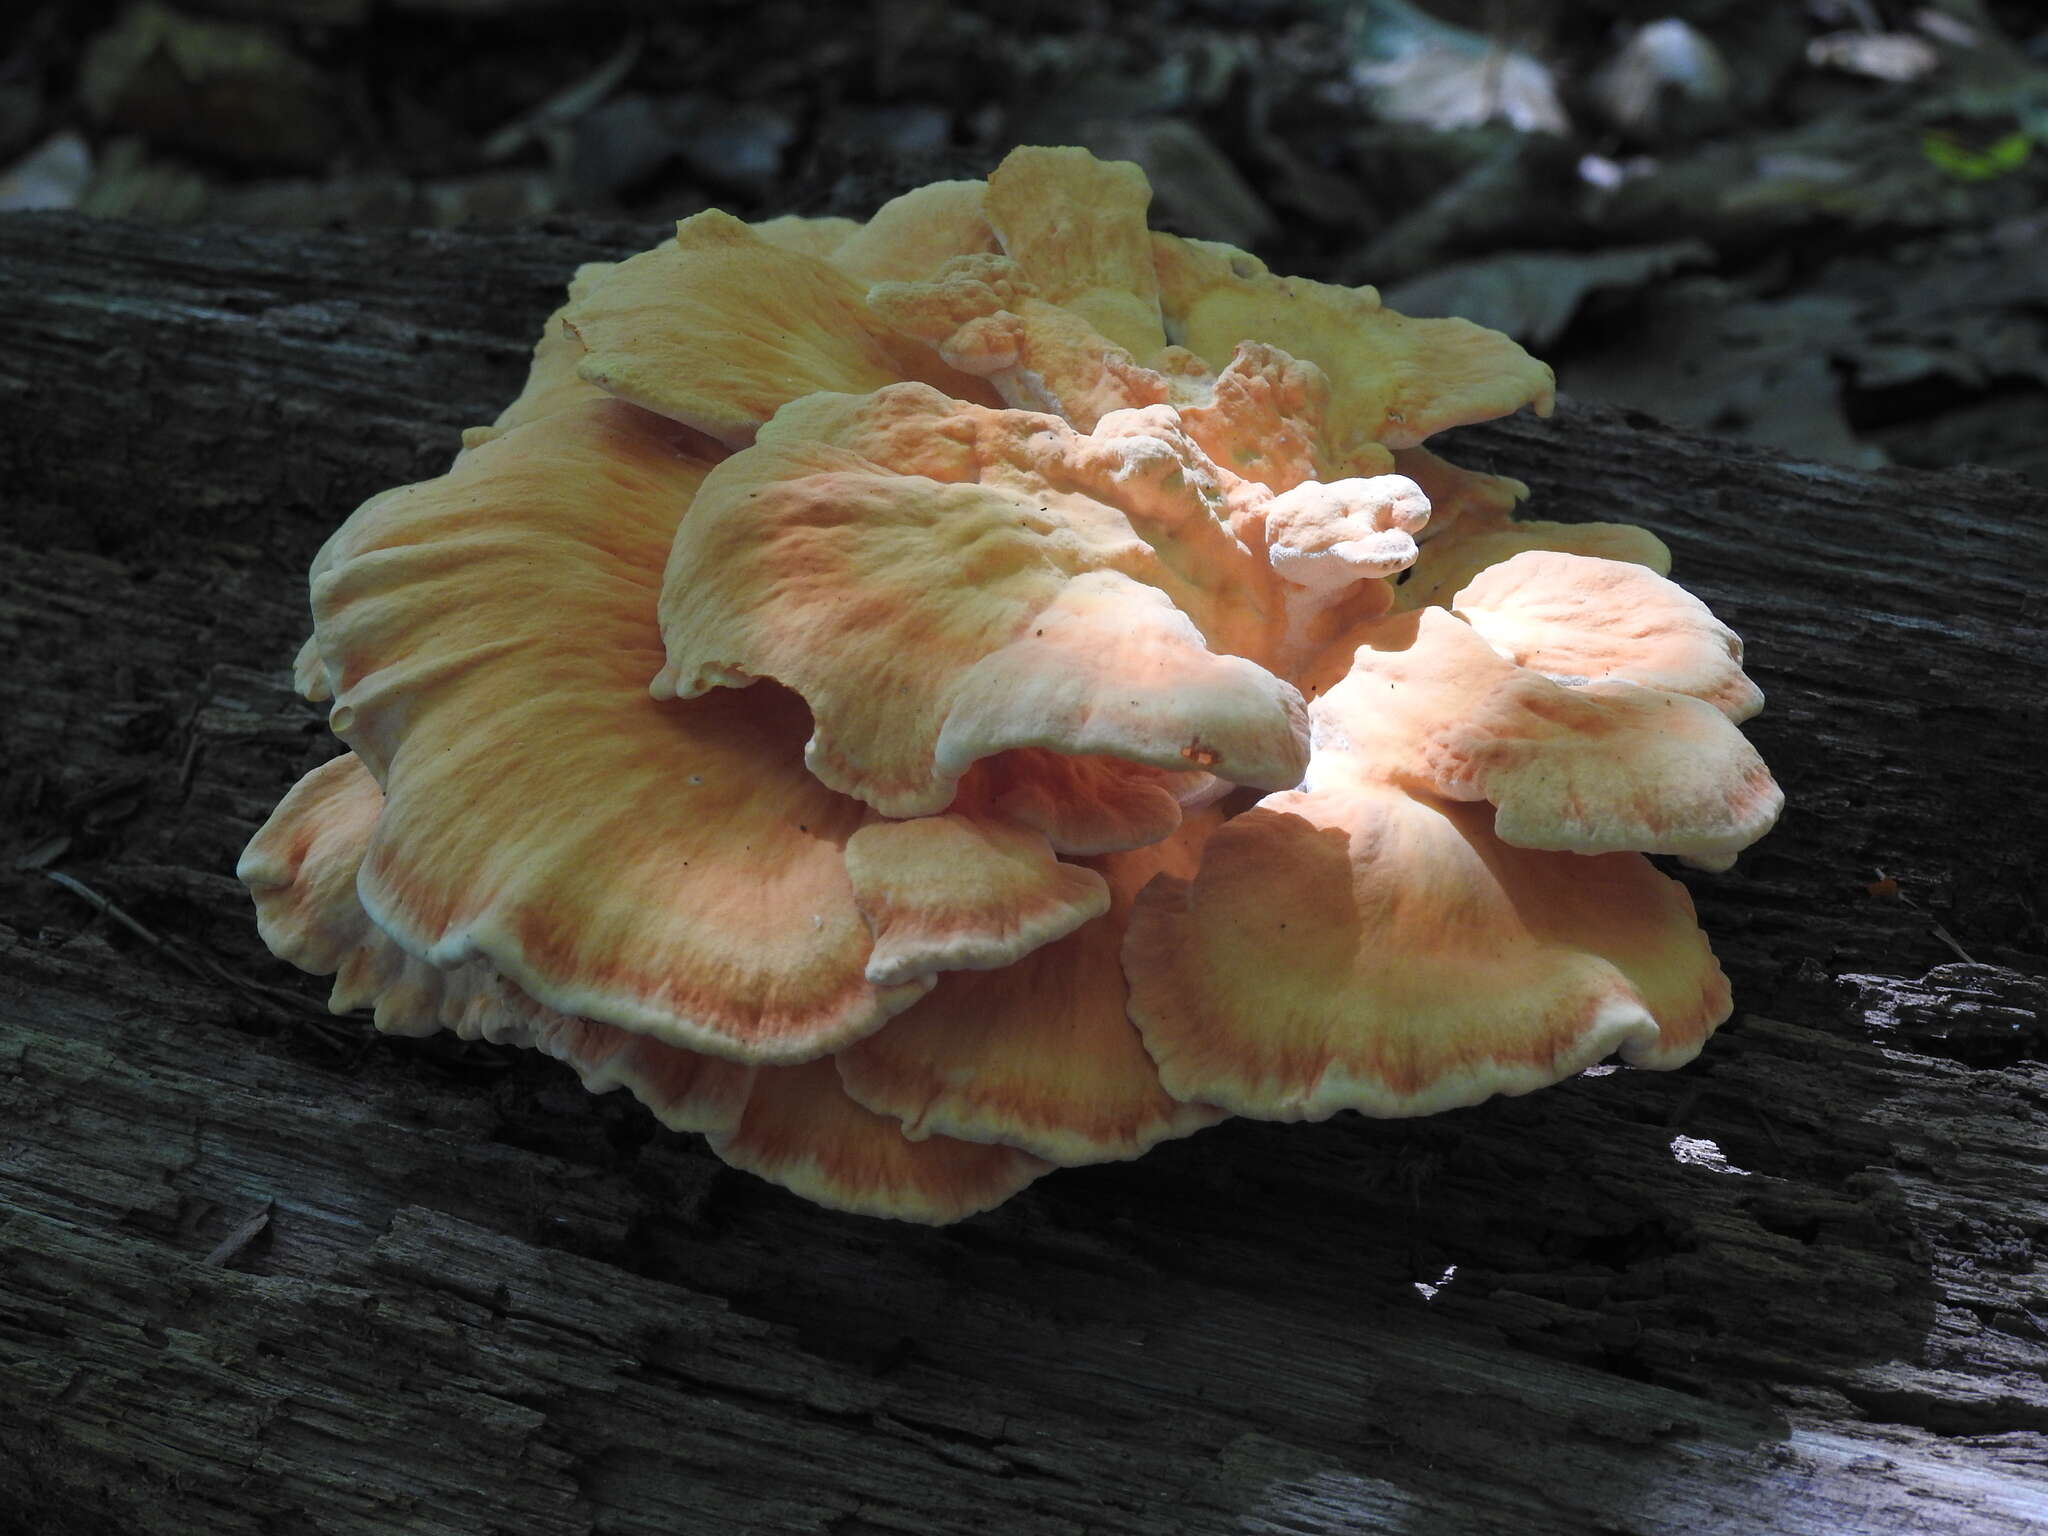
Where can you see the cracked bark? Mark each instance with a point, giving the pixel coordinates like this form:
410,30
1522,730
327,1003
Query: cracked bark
1795,1287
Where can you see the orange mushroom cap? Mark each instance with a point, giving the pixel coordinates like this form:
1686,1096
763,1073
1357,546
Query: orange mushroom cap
760,716
1369,943
668,867
962,892
800,1129
1039,1054
1084,804
554,379
1455,492
1590,769
1580,620
937,606
1472,527
1371,948
985,318
302,868
792,1125
1262,416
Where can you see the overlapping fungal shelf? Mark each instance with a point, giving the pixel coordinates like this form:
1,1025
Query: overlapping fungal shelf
928,702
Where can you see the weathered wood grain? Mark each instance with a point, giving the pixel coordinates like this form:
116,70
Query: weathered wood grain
1796,1287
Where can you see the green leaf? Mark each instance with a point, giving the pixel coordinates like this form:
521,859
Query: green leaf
1957,159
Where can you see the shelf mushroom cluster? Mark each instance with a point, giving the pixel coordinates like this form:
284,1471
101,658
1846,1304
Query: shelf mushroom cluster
928,701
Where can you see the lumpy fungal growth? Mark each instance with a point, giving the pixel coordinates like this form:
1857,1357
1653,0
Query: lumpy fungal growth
823,703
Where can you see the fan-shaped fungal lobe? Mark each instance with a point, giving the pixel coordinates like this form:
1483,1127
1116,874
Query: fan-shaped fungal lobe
939,608
832,702
488,637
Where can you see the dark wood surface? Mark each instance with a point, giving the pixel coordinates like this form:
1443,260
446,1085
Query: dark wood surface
262,1271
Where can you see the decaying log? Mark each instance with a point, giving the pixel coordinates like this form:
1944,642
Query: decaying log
262,1271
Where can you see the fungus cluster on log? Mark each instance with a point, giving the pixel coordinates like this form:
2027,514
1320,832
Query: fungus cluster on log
928,701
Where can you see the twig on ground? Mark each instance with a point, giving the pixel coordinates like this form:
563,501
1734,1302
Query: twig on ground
205,969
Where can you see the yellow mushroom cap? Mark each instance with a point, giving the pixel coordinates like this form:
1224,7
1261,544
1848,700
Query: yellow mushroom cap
719,327
818,237
1393,380
912,236
1075,227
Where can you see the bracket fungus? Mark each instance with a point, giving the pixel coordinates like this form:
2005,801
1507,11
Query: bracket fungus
995,687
